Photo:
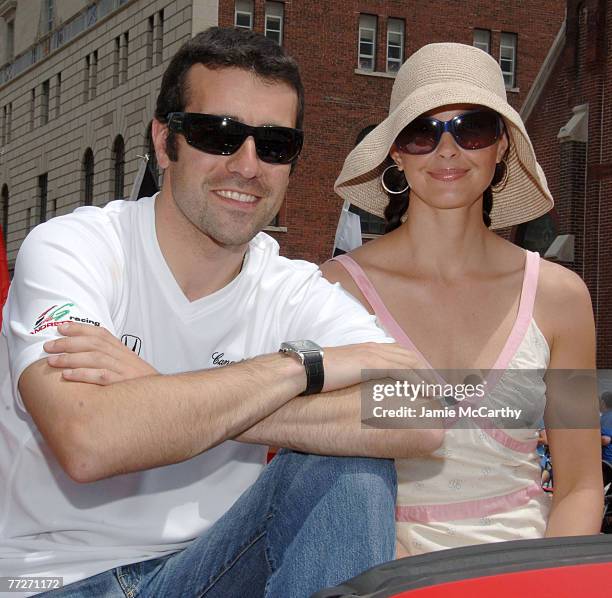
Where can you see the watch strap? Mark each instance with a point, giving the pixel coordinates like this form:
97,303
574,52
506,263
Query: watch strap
313,363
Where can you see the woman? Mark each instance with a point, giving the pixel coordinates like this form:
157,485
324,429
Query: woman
442,283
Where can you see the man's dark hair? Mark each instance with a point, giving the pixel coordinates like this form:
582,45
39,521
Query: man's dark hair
218,48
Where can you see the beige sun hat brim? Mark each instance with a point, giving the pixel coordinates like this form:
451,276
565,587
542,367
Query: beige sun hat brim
523,197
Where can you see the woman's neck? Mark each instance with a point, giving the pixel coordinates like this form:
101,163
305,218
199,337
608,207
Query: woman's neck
446,242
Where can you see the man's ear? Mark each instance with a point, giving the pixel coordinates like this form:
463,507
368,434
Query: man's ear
159,134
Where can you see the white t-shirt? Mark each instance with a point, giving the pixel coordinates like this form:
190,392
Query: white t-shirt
105,267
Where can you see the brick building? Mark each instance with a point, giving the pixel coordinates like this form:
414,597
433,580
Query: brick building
569,118
79,81
348,53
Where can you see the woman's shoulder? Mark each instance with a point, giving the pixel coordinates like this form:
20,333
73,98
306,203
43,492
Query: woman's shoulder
363,258
561,286
563,309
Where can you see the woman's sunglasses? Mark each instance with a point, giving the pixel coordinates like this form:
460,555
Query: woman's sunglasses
472,130
223,136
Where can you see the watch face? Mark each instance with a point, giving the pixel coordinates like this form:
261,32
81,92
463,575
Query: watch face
302,345
306,346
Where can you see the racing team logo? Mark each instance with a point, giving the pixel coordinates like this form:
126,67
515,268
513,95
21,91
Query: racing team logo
53,316
58,314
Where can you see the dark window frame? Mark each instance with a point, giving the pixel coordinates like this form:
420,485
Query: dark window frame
88,176
118,155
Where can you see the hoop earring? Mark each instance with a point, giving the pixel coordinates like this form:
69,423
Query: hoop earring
384,186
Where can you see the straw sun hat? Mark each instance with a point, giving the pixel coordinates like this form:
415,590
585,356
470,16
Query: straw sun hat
434,76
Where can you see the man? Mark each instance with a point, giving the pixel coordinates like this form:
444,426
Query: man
128,482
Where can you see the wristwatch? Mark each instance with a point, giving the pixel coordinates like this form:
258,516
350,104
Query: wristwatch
310,356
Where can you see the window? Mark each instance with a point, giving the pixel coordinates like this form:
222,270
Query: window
149,42
118,167
243,15
93,75
274,21
123,66
395,44
10,40
482,39
88,177
152,156
50,9
159,38
4,200
42,198
86,77
275,222
153,165
32,108
44,109
507,58
4,125
9,122
116,52
367,42
58,94
582,36
537,235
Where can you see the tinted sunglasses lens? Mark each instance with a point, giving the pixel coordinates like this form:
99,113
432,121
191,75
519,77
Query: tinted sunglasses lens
419,137
278,145
214,135
476,130
218,135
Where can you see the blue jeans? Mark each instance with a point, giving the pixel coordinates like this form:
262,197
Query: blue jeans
307,522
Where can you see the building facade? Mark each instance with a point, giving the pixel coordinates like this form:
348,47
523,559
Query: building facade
569,119
79,81
78,84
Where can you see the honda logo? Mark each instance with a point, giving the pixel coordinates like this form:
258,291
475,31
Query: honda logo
132,342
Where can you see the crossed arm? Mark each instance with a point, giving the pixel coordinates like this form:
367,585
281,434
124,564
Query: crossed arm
104,411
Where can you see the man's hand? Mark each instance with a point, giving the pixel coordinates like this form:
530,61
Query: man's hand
352,364
92,354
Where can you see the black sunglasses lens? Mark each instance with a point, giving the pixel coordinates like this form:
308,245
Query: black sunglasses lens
477,130
213,134
419,137
222,136
278,145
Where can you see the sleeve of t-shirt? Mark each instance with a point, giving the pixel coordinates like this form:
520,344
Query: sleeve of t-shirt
330,316
605,421
63,273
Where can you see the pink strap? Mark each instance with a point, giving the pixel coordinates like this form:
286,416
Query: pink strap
387,321
525,313
471,509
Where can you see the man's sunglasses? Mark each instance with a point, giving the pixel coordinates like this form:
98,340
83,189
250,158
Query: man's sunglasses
472,130
223,136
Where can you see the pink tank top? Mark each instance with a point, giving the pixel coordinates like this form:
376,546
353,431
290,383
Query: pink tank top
428,492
